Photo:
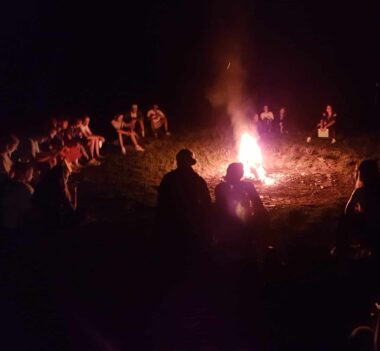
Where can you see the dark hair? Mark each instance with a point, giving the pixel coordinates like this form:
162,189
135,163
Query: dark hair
369,171
235,171
185,158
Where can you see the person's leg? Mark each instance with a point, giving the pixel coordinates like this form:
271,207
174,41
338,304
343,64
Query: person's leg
84,152
332,134
96,142
91,146
142,127
121,142
135,143
133,124
154,131
166,125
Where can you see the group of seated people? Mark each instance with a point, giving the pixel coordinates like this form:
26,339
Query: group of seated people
266,122
39,166
126,125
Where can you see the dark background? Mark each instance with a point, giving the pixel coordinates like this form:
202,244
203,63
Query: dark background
65,58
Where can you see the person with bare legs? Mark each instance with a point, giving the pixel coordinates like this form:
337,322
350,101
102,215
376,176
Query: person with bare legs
97,140
157,120
134,116
124,129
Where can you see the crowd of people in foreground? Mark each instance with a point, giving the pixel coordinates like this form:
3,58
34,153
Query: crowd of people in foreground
184,206
34,171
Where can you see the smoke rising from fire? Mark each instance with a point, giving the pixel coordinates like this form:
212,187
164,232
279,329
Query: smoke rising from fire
229,88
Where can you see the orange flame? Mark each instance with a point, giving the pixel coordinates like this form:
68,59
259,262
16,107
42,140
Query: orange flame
251,157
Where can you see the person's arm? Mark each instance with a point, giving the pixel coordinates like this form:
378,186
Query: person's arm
331,122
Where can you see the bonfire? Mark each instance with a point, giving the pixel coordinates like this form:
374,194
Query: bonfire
250,155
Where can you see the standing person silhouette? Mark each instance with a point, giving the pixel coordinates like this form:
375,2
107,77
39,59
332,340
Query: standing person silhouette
183,204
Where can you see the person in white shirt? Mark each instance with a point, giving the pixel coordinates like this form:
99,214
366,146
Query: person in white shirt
157,120
267,119
122,128
95,141
136,117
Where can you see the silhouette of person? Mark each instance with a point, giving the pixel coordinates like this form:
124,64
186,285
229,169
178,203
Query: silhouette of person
237,198
240,214
54,206
364,202
183,203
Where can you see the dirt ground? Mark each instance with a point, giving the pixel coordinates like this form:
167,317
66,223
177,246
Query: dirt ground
313,181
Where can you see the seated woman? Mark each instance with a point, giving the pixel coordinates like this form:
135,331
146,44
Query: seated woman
157,120
124,129
327,123
134,116
95,142
71,150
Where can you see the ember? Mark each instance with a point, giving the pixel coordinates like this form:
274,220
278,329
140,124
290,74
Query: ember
251,157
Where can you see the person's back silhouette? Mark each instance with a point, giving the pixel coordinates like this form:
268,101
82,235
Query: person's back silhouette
183,205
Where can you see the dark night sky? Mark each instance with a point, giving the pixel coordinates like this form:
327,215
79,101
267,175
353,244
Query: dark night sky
69,57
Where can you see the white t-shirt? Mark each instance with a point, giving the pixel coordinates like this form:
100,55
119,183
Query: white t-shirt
156,117
267,115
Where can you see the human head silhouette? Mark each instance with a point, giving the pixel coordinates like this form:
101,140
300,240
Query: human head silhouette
235,172
369,171
185,158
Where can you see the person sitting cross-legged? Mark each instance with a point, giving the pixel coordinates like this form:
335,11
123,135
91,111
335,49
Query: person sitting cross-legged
124,129
157,120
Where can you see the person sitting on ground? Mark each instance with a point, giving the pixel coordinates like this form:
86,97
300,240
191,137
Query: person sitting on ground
267,119
134,116
124,129
70,149
77,135
157,120
53,205
362,212
8,145
327,122
36,155
183,202
240,216
282,121
237,198
95,142
16,196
